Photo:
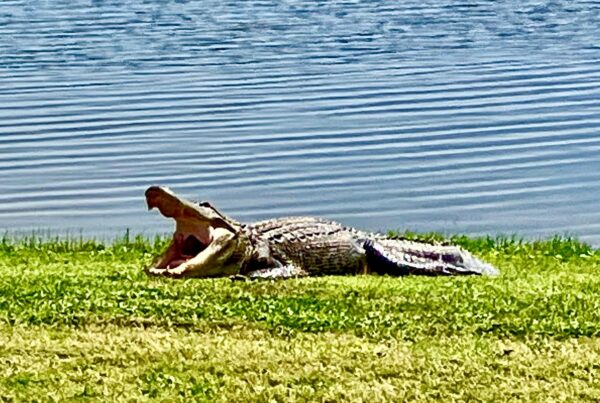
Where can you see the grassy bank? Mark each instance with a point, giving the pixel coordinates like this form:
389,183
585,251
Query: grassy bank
78,319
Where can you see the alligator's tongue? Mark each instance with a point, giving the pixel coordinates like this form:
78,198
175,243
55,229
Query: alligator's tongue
191,246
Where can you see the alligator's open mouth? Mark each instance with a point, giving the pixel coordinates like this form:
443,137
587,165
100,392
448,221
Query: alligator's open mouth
183,249
195,225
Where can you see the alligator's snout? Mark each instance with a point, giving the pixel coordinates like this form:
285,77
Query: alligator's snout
155,196
169,204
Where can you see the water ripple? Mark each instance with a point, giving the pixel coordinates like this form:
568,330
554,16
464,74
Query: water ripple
480,117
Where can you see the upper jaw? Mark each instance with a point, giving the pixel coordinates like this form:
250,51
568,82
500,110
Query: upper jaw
178,208
197,219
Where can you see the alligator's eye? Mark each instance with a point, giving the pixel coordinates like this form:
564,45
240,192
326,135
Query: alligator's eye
202,203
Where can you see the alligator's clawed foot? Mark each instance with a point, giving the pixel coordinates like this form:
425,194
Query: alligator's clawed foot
275,273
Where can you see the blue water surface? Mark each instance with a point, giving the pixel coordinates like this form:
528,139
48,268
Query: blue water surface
470,117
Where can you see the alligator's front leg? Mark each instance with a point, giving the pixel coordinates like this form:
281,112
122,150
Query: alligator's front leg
209,262
273,273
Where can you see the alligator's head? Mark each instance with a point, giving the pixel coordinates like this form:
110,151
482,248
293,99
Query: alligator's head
205,243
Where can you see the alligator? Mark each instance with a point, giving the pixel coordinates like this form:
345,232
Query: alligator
206,243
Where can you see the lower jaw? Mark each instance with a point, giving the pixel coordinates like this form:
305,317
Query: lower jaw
175,263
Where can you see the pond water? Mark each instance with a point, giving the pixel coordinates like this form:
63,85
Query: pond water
471,117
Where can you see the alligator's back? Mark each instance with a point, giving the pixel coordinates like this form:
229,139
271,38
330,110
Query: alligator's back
315,246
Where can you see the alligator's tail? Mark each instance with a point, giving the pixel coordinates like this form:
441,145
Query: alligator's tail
401,257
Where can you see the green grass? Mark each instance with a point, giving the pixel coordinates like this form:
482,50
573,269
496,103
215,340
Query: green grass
80,321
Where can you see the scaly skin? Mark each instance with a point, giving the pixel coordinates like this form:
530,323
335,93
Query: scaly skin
206,243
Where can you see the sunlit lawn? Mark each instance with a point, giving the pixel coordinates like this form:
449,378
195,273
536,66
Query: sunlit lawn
79,319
